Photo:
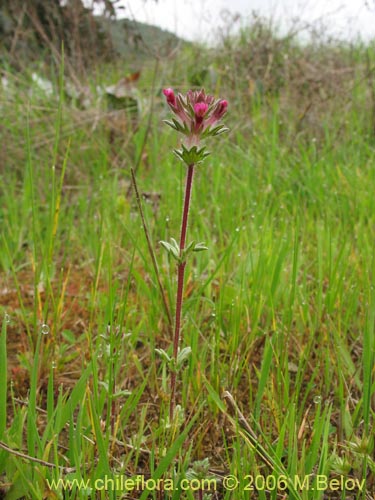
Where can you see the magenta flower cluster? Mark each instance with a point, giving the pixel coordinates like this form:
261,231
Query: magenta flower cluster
197,114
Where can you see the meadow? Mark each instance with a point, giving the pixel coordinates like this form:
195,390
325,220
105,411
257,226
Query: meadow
276,400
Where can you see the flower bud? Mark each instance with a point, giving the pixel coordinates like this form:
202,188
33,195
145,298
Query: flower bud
169,94
221,109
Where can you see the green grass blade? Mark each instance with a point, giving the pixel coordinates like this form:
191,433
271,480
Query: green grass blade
264,373
3,378
75,397
166,461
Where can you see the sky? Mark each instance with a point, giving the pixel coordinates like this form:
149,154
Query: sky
201,19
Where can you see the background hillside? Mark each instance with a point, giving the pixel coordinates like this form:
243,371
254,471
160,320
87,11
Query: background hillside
39,29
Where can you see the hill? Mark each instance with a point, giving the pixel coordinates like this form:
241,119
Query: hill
131,37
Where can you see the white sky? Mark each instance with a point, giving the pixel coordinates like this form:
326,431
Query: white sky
200,19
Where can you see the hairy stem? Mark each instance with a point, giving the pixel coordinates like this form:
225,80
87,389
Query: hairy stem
180,284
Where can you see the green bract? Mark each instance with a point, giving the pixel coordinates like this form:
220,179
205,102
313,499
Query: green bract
192,156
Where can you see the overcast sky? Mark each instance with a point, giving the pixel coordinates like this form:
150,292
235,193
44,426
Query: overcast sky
200,19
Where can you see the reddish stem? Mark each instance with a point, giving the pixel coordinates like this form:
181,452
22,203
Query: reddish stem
180,283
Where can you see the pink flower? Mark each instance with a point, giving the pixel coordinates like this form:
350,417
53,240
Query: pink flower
221,109
197,114
169,94
200,109
218,112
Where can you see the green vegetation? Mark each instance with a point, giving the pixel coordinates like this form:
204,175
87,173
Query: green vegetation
279,312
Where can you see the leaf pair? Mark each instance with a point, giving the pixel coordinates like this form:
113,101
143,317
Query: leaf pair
179,255
173,364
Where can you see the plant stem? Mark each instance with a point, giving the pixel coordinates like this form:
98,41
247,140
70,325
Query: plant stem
151,251
180,284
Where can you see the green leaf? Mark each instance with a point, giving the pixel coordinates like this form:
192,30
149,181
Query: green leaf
164,355
211,132
189,246
176,125
75,397
183,356
172,248
166,245
220,131
200,247
171,124
175,245
187,250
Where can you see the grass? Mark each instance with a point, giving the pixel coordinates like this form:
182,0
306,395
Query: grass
279,312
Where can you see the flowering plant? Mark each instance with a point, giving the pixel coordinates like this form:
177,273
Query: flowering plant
196,117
